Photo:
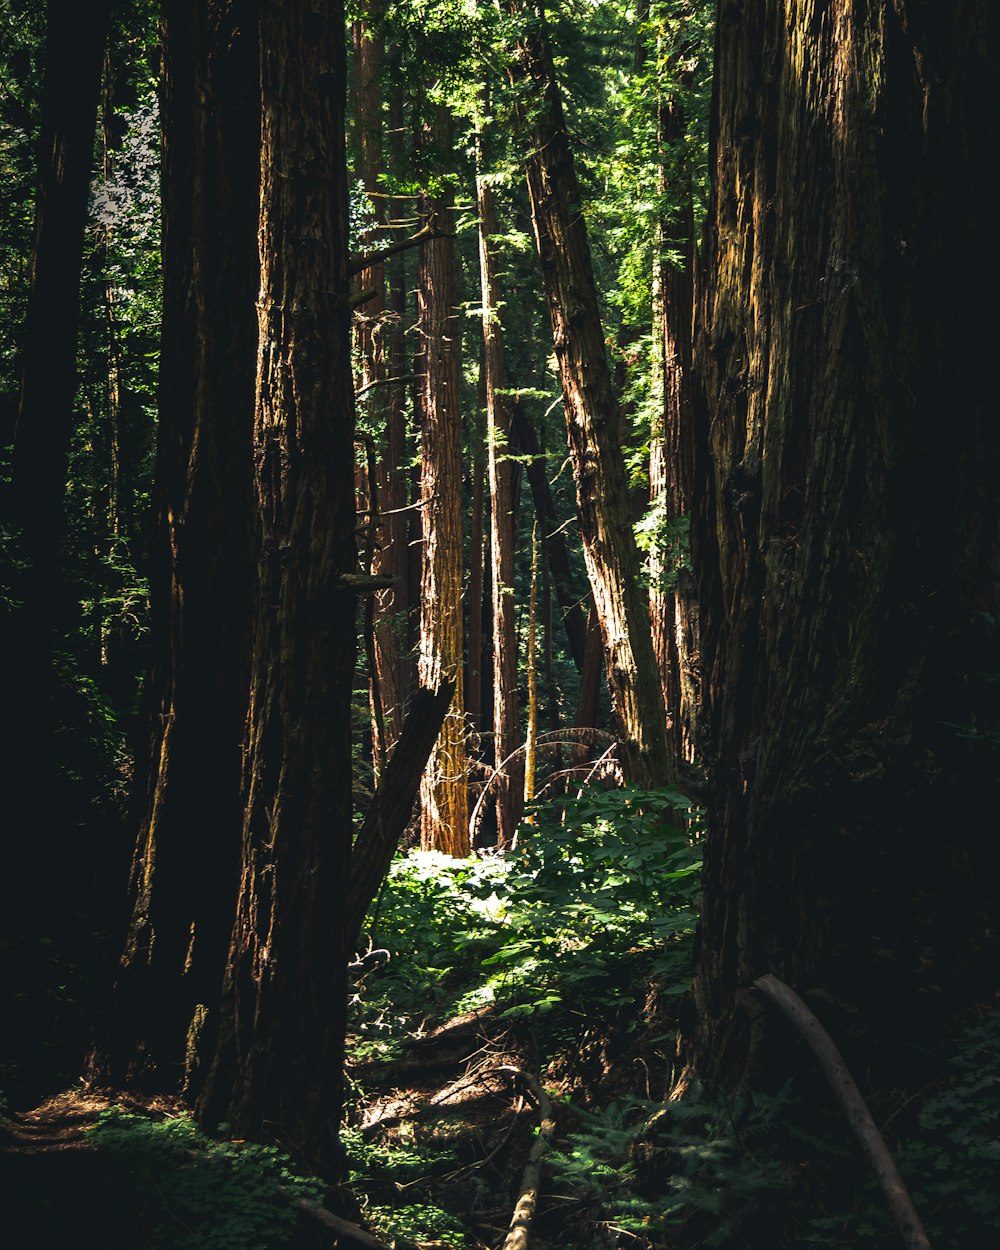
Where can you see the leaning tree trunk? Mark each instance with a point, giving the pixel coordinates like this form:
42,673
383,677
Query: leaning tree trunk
592,415
278,1070
183,881
444,804
846,535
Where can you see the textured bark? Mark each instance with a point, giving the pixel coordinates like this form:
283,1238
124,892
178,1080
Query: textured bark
592,416
846,534
284,995
499,405
444,814
474,663
183,881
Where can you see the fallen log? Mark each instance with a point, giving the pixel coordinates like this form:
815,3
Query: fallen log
527,1202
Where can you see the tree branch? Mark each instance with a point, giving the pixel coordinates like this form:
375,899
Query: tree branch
358,264
392,802
855,1108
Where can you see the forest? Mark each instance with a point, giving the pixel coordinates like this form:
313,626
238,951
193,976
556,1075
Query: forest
499,599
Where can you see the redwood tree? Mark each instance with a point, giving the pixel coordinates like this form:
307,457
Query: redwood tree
444,820
846,532
593,420
278,1068
183,881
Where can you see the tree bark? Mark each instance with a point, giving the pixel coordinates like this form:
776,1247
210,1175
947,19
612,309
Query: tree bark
392,803
592,415
672,605
284,993
183,879
846,531
375,333
499,425
444,820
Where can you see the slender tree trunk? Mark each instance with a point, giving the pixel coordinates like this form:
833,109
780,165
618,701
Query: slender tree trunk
672,605
375,336
474,665
74,48
499,405
183,881
444,821
284,994
592,417
846,533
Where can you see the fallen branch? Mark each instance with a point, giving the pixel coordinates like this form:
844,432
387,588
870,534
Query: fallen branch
855,1108
354,1233
524,1209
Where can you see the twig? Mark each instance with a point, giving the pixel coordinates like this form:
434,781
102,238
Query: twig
855,1108
524,1210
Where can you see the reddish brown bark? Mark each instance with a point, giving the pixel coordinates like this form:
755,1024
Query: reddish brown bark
847,530
592,416
444,820
284,994
506,729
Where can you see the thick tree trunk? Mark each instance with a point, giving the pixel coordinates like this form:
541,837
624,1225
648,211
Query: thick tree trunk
846,534
183,881
284,995
592,416
506,722
444,819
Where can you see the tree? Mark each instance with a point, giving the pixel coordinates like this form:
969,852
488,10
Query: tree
284,992
74,48
846,529
444,821
506,724
592,414
183,880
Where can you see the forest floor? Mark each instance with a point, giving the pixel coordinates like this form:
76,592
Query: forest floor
440,1141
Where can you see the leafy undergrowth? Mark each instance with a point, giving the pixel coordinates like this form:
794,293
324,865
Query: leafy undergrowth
570,957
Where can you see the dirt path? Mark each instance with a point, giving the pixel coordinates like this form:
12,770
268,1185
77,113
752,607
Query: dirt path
58,1191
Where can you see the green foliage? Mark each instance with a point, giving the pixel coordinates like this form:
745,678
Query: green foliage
600,893
205,1194
693,1162
949,1156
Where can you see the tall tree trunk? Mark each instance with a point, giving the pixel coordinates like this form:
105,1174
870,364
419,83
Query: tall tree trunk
592,416
74,48
474,648
672,605
444,818
375,336
284,995
506,726
846,534
183,881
